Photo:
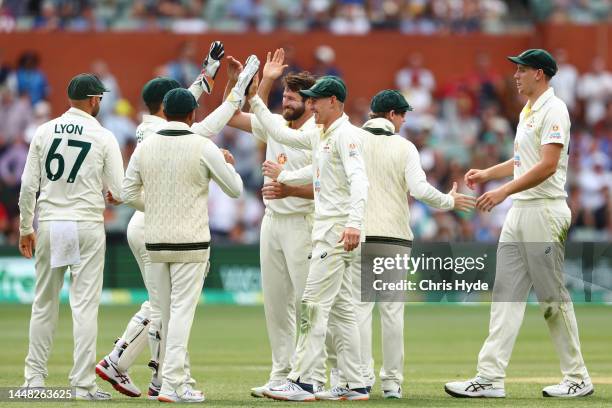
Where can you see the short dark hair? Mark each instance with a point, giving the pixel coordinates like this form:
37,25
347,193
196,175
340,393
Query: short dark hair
177,118
374,115
299,81
153,106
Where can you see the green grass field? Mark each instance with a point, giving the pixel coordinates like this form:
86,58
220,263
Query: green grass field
229,354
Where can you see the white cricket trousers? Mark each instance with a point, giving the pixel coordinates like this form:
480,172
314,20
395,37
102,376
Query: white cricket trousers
149,308
179,286
285,247
85,290
392,326
328,300
531,253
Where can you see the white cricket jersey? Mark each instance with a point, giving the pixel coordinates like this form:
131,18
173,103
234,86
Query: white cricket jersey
290,158
547,121
71,160
394,169
338,172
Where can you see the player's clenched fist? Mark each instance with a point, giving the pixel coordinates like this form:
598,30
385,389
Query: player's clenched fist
271,169
475,176
350,236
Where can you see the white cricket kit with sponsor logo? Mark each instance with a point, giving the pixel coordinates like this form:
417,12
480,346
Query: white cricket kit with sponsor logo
285,246
149,310
340,191
531,249
71,160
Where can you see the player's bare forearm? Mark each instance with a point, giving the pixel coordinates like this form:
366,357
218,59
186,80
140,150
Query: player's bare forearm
505,169
228,87
242,121
545,168
302,191
265,87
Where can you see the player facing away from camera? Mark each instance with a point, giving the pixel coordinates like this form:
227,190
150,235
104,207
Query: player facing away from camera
177,236
394,170
285,241
340,195
531,245
70,161
146,323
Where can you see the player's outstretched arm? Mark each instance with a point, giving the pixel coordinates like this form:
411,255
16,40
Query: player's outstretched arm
273,69
420,189
546,167
213,123
210,66
477,176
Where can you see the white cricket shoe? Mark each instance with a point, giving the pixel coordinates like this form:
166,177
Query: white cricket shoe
290,391
475,388
35,383
120,380
154,388
189,396
258,392
569,389
340,393
393,394
95,394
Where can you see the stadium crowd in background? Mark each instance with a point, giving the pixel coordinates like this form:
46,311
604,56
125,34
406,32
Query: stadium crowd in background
466,123
340,16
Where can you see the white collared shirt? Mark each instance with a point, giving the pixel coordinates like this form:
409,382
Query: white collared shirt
547,121
71,160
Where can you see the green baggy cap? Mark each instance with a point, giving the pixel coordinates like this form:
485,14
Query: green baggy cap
389,100
179,101
538,59
325,87
155,90
84,86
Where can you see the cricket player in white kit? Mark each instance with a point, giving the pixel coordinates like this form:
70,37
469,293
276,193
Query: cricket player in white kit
71,160
285,241
531,248
174,167
394,170
146,322
340,194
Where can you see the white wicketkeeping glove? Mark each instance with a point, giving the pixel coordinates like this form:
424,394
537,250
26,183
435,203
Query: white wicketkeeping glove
210,67
237,95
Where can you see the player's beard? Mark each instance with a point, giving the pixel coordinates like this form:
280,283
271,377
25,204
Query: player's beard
291,114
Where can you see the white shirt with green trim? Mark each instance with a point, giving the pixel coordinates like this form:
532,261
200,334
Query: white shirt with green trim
290,158
71,160
338,172
547,121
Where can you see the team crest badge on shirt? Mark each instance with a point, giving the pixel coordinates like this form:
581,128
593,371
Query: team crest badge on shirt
353,152
282,158
555,132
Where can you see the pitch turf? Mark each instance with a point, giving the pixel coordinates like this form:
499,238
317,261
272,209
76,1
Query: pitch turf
230,354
